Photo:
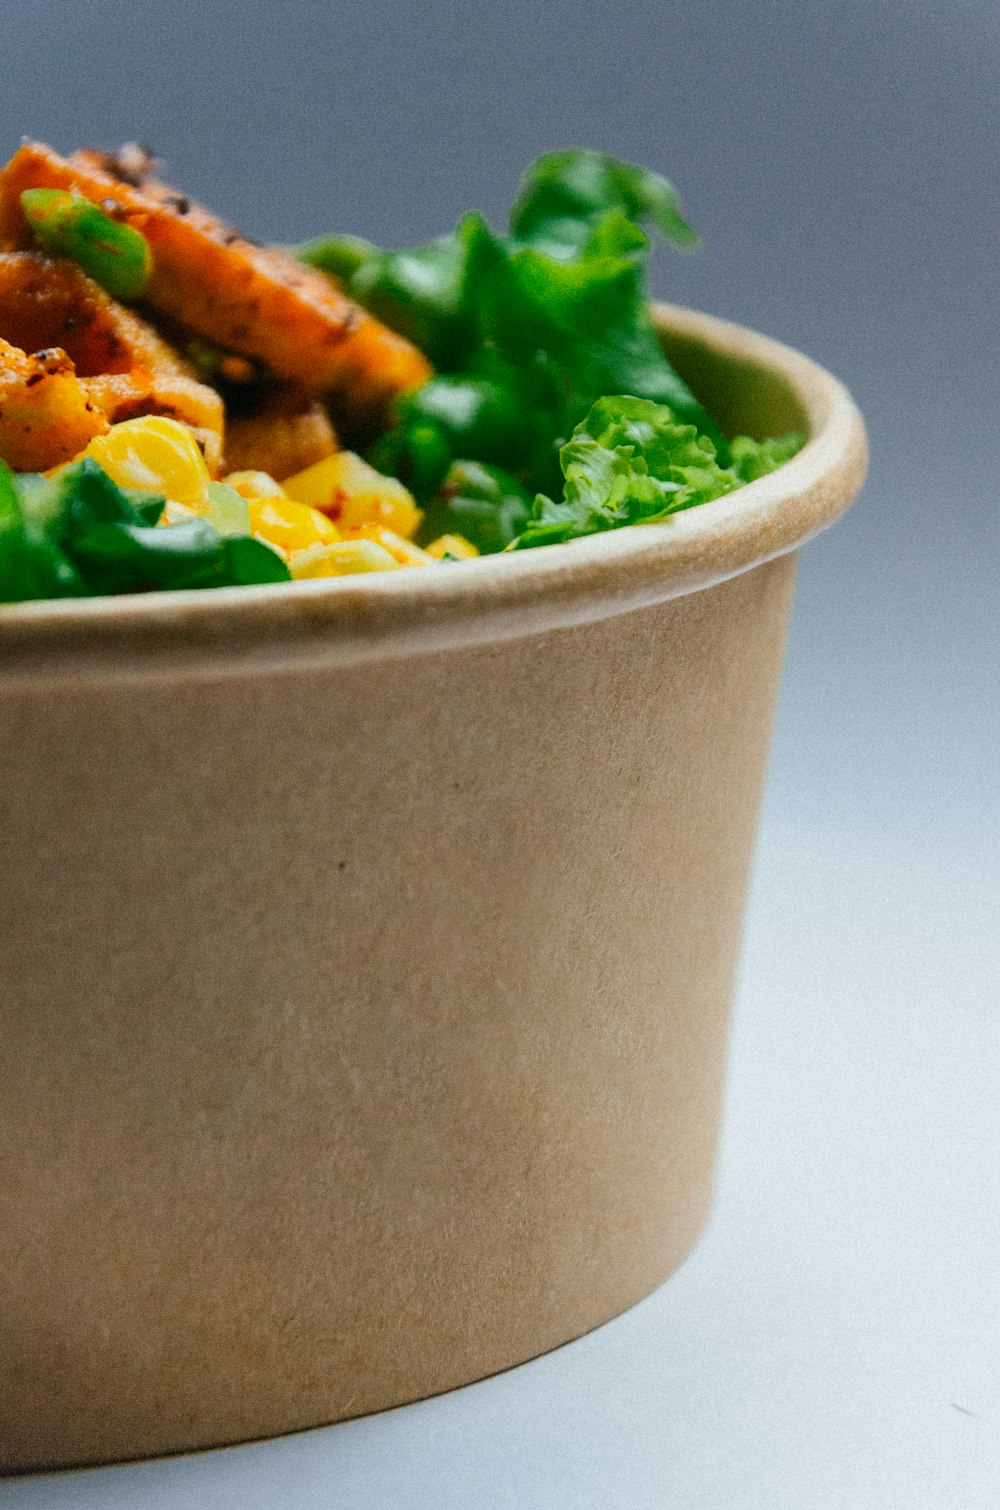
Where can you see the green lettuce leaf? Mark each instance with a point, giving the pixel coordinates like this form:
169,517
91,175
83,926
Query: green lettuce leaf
564,195
751,459
629,462
427,293
633,462
140,557
589,318
552,316
117,557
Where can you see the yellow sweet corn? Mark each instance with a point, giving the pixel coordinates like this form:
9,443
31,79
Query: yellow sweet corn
252,485
341,560
315,485
354,494
289,525
403,551
452,545
376,516
156,455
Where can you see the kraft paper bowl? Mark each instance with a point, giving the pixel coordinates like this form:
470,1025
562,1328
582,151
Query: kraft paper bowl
367,949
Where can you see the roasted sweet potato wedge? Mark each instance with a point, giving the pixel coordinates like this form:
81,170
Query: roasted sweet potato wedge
221,286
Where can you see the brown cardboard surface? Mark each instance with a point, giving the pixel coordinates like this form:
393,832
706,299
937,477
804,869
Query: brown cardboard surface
365,1015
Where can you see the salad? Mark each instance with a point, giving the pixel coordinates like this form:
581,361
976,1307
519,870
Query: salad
182,408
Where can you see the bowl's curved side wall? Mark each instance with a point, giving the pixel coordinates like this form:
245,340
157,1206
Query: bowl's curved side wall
369,1020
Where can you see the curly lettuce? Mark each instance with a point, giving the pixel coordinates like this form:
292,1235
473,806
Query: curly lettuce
633,462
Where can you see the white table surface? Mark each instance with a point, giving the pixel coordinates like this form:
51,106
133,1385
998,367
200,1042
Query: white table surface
834,1341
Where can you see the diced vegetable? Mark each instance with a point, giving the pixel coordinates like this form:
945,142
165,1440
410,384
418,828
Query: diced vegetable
116,256
452,548
354,493
342,559
157,454
227,511
403,551
290,526
254,485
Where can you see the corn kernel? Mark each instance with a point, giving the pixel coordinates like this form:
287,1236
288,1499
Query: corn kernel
452,545
403,551
342,559
395,512
354,494
316,485
252,485
156,455
288,525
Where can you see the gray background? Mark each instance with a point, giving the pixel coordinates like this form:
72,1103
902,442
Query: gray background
834,1341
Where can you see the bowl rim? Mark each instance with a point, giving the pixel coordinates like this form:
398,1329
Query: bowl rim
490,599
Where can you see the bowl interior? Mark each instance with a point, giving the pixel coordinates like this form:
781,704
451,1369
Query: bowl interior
746,396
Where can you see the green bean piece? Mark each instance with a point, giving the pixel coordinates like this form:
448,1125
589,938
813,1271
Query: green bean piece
115,255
